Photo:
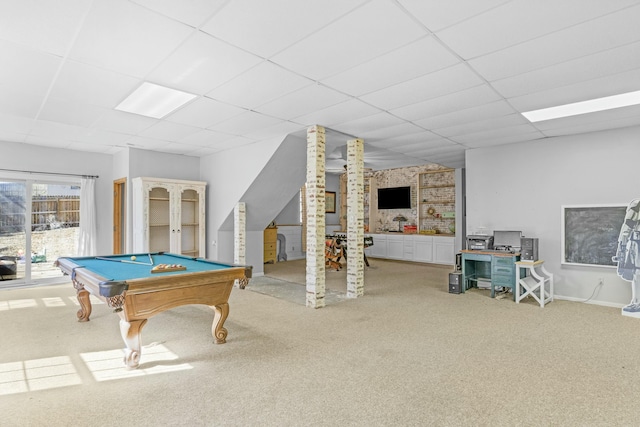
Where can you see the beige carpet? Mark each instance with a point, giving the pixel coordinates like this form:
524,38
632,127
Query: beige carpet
407,353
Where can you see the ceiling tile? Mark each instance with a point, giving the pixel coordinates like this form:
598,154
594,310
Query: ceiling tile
468,98
519,21
494,140
206,138
169,131
21,104
118,121
423,139
261,84
146,143
202,63
430,150
398,130
595,126
408,62
382,27
103,149
247,122
438,14
27,70
491,123
92,85
47,26
495,136
71,112
124,37
597,88
268,27
17,124
466,115
351,109
280,129
591,119
204,112
182,148
302,102
191,12
7,135
359,126
601,64
439,83
594,36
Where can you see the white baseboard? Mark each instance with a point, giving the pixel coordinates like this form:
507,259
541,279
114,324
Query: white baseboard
595,302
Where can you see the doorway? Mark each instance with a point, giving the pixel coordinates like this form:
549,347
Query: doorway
39,222
119,215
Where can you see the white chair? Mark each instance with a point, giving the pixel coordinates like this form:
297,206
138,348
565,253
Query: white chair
538,283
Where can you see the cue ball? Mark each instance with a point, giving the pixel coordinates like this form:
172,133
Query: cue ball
133,258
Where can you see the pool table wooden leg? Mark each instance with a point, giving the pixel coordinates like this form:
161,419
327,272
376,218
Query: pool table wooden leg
85,305
130,332
218,330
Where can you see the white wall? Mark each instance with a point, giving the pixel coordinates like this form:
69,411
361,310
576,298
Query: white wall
163,165
19,156
523,187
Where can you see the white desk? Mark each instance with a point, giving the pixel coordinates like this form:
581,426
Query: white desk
538,282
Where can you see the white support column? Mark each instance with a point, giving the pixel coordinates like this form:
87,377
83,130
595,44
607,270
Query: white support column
355,218
239,235
315,277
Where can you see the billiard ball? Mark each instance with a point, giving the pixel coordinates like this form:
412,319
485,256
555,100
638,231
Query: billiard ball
133,258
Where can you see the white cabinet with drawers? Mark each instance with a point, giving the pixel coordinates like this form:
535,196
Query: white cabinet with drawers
413,247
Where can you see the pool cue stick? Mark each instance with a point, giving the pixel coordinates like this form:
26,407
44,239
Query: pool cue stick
150,259
122,260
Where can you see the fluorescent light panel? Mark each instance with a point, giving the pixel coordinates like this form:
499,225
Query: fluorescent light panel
590,106
155,101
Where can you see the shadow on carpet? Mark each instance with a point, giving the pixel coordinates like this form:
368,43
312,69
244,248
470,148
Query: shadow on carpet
289,291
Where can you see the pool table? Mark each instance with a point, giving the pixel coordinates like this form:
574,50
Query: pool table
127,284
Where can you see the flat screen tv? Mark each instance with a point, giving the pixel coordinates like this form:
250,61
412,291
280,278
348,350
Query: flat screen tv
394,198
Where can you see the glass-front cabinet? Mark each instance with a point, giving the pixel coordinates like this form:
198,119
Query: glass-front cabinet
169,216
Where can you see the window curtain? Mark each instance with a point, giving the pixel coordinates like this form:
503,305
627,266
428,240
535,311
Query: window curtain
88,229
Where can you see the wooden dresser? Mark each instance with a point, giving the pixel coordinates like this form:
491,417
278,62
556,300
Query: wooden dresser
270,244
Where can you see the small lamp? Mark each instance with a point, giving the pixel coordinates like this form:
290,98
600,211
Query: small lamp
400,219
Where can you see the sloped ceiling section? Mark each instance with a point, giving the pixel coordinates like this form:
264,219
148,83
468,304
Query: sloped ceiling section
286,170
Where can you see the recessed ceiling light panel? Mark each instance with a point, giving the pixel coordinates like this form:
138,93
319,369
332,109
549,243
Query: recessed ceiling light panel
590,106
155,101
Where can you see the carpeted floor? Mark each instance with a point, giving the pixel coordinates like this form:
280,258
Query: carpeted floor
407,353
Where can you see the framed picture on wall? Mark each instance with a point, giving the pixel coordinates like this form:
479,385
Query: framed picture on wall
330,202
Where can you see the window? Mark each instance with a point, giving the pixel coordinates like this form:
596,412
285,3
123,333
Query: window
38,224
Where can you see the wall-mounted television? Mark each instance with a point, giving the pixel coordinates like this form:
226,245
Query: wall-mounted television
394,198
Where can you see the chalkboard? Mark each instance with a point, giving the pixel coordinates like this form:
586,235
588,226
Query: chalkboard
590,234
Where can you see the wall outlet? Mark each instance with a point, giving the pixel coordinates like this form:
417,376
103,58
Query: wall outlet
600,281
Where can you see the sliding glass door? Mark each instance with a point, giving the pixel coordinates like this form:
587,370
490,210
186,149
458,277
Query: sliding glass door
38,224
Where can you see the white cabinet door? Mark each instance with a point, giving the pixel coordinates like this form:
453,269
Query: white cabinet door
379,248
395,247
189,215
443,251
169,216
423,249
407,249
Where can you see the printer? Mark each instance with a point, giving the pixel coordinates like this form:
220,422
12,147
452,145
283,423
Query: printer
479,242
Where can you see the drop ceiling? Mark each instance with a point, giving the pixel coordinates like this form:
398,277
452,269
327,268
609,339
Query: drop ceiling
421,81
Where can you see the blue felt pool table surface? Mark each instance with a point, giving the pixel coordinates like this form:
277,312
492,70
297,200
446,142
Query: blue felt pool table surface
120,267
